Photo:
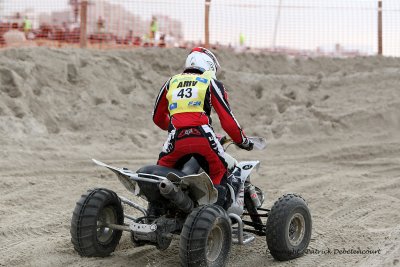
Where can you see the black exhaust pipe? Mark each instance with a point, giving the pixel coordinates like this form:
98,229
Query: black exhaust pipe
176,195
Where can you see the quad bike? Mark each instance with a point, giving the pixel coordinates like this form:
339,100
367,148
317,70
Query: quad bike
182,202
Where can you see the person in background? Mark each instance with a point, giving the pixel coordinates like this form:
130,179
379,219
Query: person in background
75,9
14,37
100,25
183,108
66,32
241,39
162,41
242,46
153,29
27,26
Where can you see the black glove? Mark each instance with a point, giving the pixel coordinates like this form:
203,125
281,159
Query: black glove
223,140
247,144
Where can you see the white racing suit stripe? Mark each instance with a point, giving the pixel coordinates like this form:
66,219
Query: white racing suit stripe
169,144
215,144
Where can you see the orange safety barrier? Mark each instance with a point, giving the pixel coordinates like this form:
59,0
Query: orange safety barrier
298,27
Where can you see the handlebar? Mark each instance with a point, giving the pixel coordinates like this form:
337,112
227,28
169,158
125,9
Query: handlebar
260,143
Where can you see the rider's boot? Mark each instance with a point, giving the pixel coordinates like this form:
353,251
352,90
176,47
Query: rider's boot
235,183
221,200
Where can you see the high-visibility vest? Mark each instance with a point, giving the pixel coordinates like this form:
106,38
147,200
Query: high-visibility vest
154,26
187,92
241,39
27,25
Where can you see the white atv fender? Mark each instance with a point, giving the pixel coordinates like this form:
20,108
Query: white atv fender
242,171
246,167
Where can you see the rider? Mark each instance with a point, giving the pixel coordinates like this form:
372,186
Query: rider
183,107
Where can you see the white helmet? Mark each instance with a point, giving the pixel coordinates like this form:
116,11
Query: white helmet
202,59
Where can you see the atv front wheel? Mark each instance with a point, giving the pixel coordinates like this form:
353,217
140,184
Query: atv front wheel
288,228
206,237
89,234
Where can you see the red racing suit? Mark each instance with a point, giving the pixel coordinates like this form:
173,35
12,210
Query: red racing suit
183,108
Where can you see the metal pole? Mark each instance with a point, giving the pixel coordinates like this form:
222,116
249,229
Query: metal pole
1,8
133,205
207,24
115,226
278,16
380,39
83,37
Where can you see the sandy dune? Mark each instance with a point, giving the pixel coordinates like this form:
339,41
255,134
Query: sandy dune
333,127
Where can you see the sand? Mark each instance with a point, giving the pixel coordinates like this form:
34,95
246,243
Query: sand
333,127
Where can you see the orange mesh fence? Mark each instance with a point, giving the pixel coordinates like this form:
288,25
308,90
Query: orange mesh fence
299,27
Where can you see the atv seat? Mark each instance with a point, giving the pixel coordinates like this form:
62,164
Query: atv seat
190,167
159,170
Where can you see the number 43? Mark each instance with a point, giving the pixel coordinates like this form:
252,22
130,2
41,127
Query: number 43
185,93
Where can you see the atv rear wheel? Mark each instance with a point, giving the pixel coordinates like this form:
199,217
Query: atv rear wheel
288,227
91,238
206,237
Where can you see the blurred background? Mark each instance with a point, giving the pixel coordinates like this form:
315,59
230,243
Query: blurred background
296,27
